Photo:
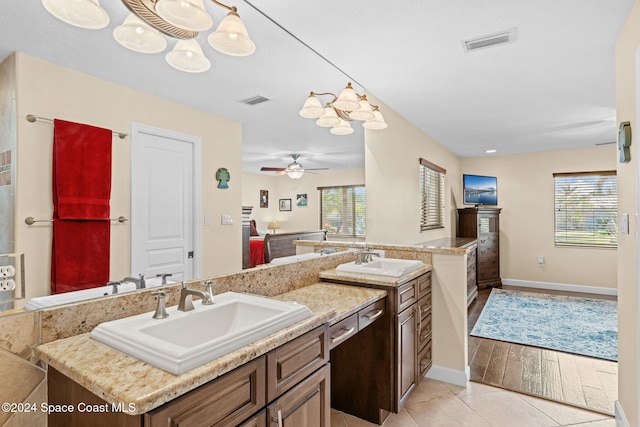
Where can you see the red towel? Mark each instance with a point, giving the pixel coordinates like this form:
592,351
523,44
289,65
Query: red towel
81,193
81,171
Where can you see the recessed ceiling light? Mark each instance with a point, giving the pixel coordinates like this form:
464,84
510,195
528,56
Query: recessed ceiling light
491,151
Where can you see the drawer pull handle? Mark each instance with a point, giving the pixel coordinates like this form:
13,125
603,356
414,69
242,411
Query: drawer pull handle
419,329
424,363
344,334
374,315
278,419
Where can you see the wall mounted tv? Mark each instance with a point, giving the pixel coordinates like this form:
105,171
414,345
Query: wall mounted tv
480,190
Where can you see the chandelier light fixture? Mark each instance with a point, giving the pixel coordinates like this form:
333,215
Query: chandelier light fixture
337,113
149,21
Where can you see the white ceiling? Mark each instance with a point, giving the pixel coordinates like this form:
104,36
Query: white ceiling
553,88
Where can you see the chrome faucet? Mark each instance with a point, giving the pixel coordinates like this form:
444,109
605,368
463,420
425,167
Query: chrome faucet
186,297
115,285
365,256
139,282
164,277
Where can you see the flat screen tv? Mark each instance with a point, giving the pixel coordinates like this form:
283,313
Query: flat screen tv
480,190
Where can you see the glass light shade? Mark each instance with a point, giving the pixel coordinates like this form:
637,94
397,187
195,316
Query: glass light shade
79,13
329,118
231,37
296,174
364,112
187,56
348,100
343,128
187,14
312,109
137,35
377,123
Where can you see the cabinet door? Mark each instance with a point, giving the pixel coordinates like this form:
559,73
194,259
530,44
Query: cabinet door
407,351
305,405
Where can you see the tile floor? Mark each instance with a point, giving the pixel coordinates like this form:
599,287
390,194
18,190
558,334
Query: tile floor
440,404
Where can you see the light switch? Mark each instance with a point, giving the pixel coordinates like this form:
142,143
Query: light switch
227,219
207,220
624,223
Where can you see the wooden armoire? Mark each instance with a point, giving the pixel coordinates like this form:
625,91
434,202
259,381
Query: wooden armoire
483,224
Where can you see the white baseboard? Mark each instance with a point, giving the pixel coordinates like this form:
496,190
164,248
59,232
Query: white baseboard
560,287
449,375
621,420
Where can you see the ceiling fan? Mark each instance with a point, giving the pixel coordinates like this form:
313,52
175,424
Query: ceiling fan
294,170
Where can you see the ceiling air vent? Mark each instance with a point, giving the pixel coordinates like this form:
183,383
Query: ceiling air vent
490,40
254,100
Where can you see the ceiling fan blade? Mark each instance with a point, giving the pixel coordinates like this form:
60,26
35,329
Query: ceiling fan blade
267,169
316,169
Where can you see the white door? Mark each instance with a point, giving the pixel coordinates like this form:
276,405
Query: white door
165,203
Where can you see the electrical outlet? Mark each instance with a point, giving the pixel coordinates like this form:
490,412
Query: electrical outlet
7,285
7,271
207,220
540,260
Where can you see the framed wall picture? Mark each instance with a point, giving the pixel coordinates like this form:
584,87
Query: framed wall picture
264,198
301,200
285,204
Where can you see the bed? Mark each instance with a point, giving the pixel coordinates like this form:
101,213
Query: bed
283,244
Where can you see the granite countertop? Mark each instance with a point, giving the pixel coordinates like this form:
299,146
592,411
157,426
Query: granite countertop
118,378
451,246
373,279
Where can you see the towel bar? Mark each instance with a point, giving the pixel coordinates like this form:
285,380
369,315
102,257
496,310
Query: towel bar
31,220
31,118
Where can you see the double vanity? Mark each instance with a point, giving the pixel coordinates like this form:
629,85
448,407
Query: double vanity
353,336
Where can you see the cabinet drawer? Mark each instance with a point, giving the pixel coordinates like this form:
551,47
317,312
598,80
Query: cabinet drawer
471,258
290,363
424,361
258,420
343,330
306,405
424,284
225,401
407,295
370,313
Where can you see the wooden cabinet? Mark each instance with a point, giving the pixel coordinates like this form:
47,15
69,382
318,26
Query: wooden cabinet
305,405
472,280
374,372
290,383
483,224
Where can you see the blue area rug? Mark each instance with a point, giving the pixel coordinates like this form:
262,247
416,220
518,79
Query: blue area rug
585,326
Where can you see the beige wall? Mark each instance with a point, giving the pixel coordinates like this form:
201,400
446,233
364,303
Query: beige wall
300,218
627,99
52,91
392,176
393,201
526,196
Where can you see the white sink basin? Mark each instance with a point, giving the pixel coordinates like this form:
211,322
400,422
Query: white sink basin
186,340
85,294
382,267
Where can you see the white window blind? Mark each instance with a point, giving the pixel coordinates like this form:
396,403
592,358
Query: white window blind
431,195
343,210
586,209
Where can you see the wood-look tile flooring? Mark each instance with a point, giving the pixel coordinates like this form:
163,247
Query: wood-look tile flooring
437,404
575,380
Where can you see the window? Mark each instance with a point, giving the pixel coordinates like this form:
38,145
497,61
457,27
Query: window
431,196
586,209
343,210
